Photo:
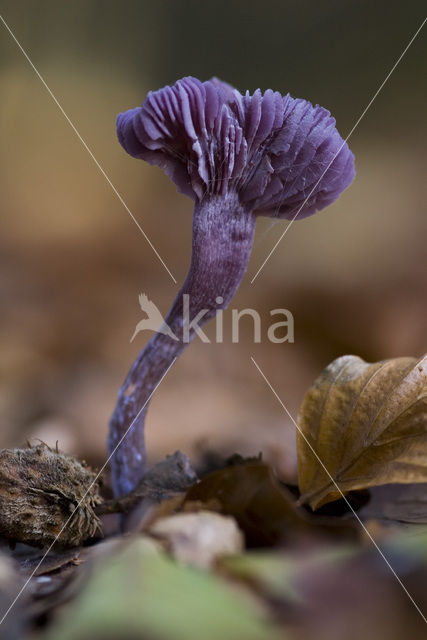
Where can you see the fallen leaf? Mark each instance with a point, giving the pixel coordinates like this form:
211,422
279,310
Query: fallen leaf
141,594
341,592
360,598
274,573
264,509
397,503
37,563
199,539
366,423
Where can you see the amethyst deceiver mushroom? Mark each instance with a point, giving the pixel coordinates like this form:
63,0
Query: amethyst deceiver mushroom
237,156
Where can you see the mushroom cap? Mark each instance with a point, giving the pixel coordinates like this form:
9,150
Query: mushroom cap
272,150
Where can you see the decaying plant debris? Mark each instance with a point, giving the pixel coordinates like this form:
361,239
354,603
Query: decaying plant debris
237,538
367,423
44,493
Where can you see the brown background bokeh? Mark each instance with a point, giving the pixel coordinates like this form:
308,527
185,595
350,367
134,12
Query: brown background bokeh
73,262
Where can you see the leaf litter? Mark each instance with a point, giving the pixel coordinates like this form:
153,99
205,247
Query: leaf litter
240,554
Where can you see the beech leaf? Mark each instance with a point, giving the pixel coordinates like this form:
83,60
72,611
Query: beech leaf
367,423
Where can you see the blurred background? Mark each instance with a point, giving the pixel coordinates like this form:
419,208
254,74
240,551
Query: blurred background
73,262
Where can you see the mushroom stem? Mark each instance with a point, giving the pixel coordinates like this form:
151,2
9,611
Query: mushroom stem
223,233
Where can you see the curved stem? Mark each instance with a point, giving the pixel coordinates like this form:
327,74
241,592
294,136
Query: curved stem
222,241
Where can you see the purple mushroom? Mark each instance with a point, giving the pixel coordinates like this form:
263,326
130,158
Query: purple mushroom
237,156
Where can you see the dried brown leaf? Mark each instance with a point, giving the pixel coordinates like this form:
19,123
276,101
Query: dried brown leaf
264,509
367,423
394,503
